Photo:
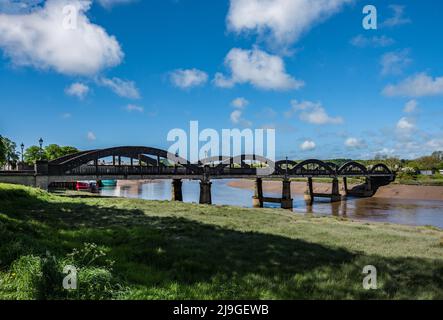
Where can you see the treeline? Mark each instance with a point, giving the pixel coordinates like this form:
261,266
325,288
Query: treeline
431,162
10,156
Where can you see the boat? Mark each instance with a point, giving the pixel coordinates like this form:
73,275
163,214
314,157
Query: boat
82,186
109,183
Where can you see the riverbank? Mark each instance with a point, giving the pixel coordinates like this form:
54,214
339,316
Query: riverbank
393,191
136,249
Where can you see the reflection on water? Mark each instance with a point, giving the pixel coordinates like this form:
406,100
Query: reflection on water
400,211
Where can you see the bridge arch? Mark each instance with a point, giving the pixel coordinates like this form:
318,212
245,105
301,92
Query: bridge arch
352,168
313,167
380,168
67,163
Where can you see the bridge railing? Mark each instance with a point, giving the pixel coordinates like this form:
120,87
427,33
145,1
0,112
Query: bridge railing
127,170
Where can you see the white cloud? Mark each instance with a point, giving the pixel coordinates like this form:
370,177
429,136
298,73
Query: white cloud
239,103
257,67
188,78
123,88
237,118
91,136
398,18
78,90
308,145
313,113
66,115
410,106
405,125
133,107
375,41
284,21
418,85
110,3
393,63
355,143
435,144
40,39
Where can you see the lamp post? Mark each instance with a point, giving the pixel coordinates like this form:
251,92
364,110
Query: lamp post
41,148
23,147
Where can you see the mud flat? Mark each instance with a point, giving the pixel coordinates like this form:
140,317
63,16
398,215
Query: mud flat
394,191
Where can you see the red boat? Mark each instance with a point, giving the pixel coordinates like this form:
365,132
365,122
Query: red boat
82,186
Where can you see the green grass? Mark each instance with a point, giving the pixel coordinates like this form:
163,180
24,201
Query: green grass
135,249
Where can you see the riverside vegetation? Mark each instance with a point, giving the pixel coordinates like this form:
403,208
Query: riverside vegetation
137,249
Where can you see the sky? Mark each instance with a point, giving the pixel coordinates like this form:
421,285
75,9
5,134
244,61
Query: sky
96,74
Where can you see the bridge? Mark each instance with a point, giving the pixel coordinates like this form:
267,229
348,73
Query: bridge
151,163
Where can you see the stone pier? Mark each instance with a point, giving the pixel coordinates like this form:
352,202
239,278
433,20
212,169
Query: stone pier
257,199
176,191
309,193
205,192
286,199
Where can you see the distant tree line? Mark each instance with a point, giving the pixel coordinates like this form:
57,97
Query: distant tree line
10,157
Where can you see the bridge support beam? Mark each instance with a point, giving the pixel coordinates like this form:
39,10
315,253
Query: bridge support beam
205,192
335,194
345,185
257,199
309,193
286,199
177,194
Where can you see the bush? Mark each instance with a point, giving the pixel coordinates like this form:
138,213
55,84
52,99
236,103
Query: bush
41,278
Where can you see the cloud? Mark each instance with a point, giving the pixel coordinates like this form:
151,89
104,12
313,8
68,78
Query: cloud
188,78
237,118
313,113
258,68
91,136
419,85
410,106
405,125
398,18
375,41
393,63
122,88
110,3
280,21
239,103
354,143
308,145
133,107
78,90
43,39
66,115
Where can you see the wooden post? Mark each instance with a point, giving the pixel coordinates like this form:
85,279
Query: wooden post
257,199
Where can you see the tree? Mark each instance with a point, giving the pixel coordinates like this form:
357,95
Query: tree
51,152
2,152
34,153
9,155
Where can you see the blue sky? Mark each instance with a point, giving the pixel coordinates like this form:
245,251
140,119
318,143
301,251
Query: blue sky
133,70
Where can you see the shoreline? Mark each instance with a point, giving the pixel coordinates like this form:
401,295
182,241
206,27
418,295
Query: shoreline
392,191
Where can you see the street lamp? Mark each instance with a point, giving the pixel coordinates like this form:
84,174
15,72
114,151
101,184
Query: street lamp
23,147
41,148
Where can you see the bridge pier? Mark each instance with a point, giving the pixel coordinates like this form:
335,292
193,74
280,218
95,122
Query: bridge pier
286,199
335,194
177,194
257,199
345,185
309,192
205,192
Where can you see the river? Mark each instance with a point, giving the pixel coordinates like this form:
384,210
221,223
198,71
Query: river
400,211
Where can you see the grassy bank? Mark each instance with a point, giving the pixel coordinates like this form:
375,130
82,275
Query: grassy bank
135,249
